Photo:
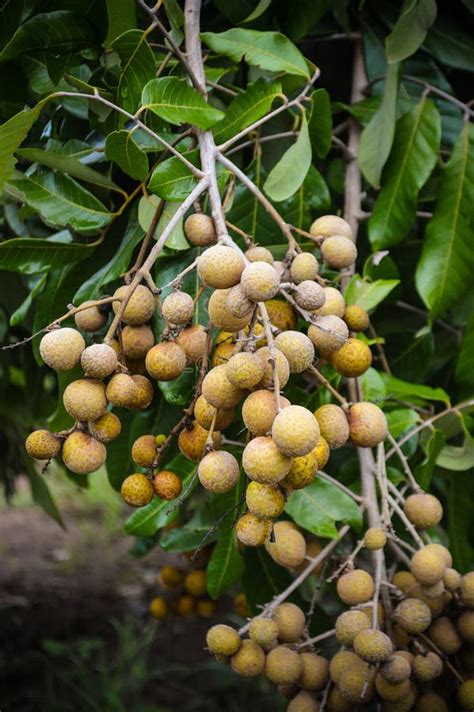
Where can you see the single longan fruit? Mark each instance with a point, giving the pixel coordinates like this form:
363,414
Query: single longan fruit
427,566
329,225
192,441
249,660
434,591
218,390
263,462
220,314
413,615
178,308
303,470
264,632
355,587
357,684
310,295
297,348
251,530
427,667
165,361
137,340
467,589
466,694
295,431
159,607
218,471
193,341
143,394
291,621
144,450
304,267
265,501
430,702
260,281
452,579
342,661
396,669
281,366
349,624
99,361
373,646
195,583
85,399
465,625
170,577
281,314
140,307
61,349
206,608
442,551
82,453
356,318
185,606
315,672
337,703
423,510
137,490
106,428
204,413
259,411
223,640
42,445
334,304
91,319
444,635
338,251
303,702
375,538
167,485
368,424
199,230
244,370
352,359
238,303
283,666
333,425
289,546
259,254
122,390
313,549
404,580
220,267
389,691
328,333
222,353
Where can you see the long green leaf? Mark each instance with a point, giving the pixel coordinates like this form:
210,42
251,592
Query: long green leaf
33,255
226,565
320,123
122,149
121,16
446,266
43,497
137,67
464,373
247,107
368,294
12,133
406,391
413,157
262,578
172,180
319,506
289,173
415,20
460,495
175,101
450,44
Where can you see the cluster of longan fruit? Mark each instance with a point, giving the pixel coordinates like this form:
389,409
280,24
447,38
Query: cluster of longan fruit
185,594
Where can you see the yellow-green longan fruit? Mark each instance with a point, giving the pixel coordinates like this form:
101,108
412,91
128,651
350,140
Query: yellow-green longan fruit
427,567
193,341
303,469
178,308
328,333
192,441
282,367
264,500
338,251
220,267
99,361
259,410
263,462
165,361
304,267
281,314
465,625
61,349
83,454
251,530
466,694
444,635
396,669
218,471
223,640
85,399
244,370
122,390
329,225
349,624
204,413
264,632
295,431
357,684
427,667
259,281
389,691
259,254
199,230
143,393
106,428
315,672
238,303
310,295
42,445
91,319
342,661
137,340
297,348
413,615
288,547
333,425
423,510
218,390
283,666
356,318
352,359
220,314
137,490
355,587
334,304
144,450
373,646
140,307
249,660
375,538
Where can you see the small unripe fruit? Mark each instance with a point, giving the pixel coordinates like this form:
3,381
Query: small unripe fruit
42,445
167,485
263,462
185,606
423,510
467,589
375,538
338,251
159,607
355,587
244,370
295,431
83,454
427,667
303,470
91,319
220,267
259,411
218,390
265,501
206,608
333,425
170,577
144,451
238,303
368,424
249,660
352,359
199,230
310,295
391,692
264,632
140,307
373,646
356,318
413,615
165,361
328,333
304,267
204,413
223,640
444,635
218,471
259,254
251,530
137,490
260,281
61,349
99,361
178,308
452,579
357,684
396,669
193,341
297,348
283,666
122,390
289,546
192,441
195,583
329,225
281,314
221,316
427,567
137,340
349,624
281,366
303,702
106,428
334,304
85,399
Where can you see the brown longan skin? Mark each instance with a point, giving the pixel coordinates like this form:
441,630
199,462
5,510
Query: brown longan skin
349,624
42,445
165,361
83,454
192,441
91,319
373,646
167,485
291,622
193,340
444,635
289,546
413,615
423,510
137,340
355,587
199,230
283,666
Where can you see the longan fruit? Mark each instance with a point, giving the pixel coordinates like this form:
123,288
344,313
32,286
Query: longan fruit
423,510
249,660
91,319
430,702
466,694
221,316
465,625
389,691
442,551
223,640
349,624
357,684
238,303
206,607
355,587
339,251
167,485
427,667
315,672
295,431
427,566
356,318
404,580
178,308
334,304
310,295
170,577
99,361
329,225
373,646
137,340
266,501
444,635
222,353
185,606
61,349
333,425
143,394
199,230
192,441
122,390
281,314
283,666
341,661
303,702
220,267
263,462
260,281
304,267
204,413
396,669
195,583
452,579
165,361
140,307
218,390
337,703
352,359
159,607
218,471
259,410
106,428
244,370
367,424
413,615
144,450
264,632
303,470
259,254
193,341
297,348
83,454
137,490
42,445
288,547
375,538
467,589
281,366
328,333
85,399
251,530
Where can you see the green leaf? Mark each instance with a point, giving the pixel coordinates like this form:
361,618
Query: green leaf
246,108
63,202
122,149
177,239
413,157
137,67
446,265
400,420
267,50
373,386
262,578
261,7
226,565
43,497
457,458
33,255
21,312
320,123
289,173
415,20
368,294
12,133
377,137
405,391
177,391
431,447
450,45
464,373
185,539
121,15
172,180
460,494
175,101
319,506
